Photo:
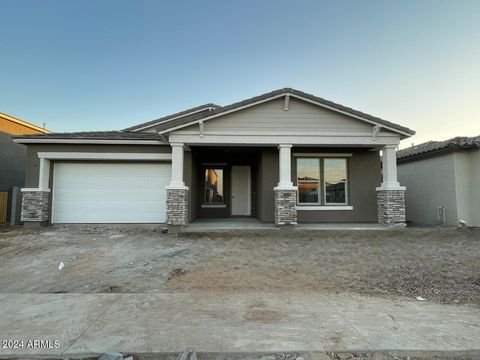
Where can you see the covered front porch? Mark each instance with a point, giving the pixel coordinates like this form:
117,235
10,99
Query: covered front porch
261,187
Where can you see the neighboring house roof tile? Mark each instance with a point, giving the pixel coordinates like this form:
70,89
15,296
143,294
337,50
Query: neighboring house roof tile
433,147
180,114
219,110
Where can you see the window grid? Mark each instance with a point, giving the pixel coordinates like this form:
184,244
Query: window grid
322,200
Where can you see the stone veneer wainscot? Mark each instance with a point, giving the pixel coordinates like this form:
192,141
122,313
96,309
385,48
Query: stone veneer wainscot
177,206
285,207
35,206
391,207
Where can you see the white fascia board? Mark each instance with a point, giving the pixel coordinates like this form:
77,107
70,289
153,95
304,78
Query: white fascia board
284,139
276,132
295,96
87,141
104,156
171,119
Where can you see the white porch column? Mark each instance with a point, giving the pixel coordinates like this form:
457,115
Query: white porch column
389,169
285,192
390,195
285,170
177,192
44,174
177,166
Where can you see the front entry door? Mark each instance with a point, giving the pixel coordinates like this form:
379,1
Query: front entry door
241,190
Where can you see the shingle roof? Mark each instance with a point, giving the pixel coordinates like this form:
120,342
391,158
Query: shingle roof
431,147
95,135
185,117
207,108
219,110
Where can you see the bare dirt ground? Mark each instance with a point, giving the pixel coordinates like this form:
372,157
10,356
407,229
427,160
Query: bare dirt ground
441,265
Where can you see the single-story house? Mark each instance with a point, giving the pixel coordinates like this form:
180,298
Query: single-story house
12,164
443,180
284,157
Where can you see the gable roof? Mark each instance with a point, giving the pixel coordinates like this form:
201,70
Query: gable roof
187,120
22,124
196,110
438,147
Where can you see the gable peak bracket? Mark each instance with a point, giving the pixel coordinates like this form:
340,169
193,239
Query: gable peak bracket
376,130
200,127
287,100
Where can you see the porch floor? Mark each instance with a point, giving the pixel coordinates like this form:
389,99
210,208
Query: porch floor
255,224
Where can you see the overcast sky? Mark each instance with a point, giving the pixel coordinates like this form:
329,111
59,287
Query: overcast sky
107,65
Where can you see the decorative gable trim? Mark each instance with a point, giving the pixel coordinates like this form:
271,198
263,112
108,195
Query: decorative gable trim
288,95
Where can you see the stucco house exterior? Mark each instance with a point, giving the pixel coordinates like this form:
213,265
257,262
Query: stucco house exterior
285,157
12,163
443,181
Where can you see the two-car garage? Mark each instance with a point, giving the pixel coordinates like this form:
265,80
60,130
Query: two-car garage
113,192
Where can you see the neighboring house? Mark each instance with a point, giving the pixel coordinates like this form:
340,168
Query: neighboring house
443,181
283,157
12,159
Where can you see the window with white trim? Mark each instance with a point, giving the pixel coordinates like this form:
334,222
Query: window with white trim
322,181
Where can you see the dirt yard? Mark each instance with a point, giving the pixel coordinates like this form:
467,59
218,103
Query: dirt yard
438,265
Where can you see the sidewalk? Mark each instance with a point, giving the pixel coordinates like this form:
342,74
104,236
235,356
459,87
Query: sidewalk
89,324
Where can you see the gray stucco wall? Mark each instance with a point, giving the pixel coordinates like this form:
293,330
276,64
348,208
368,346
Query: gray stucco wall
475,189
363,175
430,183
267,180
33,162
191,180
12,162
467,185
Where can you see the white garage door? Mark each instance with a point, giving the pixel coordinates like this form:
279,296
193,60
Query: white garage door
109,193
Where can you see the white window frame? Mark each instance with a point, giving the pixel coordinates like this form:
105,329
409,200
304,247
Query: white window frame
322,203
325,183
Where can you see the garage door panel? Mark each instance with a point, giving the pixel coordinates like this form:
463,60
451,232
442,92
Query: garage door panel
110,193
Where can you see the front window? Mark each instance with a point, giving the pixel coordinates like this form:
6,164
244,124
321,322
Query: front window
316,175
335,174
308,181
214,187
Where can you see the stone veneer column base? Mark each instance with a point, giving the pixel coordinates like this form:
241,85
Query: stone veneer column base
177,208
35,207
285,206
391,207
